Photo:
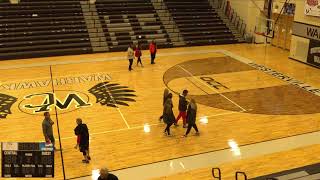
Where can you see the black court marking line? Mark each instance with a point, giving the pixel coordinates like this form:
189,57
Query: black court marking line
55,109
310,169
306,63
221,149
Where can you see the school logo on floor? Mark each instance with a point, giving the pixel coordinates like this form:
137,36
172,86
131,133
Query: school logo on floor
65,101
106,94
112,94
6,102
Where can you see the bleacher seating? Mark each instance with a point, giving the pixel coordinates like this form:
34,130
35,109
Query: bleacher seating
126,21
36,28
198,23
40,28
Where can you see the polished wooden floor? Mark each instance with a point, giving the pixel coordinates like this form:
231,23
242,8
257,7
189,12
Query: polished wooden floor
117,137
255,167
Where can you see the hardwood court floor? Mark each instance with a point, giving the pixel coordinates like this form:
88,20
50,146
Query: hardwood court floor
255,167
118,139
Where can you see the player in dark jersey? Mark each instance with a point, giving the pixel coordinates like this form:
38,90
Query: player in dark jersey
82,133
105,175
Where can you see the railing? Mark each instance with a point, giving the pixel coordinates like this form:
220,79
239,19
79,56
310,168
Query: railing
170,20
214,174
257,7
238,174
232,15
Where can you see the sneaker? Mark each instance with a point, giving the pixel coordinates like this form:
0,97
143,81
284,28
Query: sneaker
197,134
184,136
85,161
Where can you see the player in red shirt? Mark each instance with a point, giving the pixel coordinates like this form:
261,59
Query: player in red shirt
153,50
138,54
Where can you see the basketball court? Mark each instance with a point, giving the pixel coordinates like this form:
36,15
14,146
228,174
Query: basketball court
245,93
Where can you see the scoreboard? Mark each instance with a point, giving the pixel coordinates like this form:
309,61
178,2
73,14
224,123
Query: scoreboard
27,160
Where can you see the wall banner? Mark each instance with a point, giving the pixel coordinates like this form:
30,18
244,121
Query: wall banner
314,52
312,8
306,30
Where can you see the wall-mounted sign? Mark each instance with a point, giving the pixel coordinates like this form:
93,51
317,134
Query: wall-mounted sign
314,52
306,30
312,8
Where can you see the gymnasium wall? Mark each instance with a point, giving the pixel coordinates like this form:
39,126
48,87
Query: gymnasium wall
248,11
301,17
300,45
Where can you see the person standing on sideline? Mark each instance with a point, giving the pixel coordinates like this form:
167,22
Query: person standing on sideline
183,104
191,117
82,133
130,55
138,54
105,175
47,130
168,116
153,51
165,95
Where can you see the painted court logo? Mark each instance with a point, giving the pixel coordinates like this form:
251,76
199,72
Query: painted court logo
62,100
111,94
6,102
106,94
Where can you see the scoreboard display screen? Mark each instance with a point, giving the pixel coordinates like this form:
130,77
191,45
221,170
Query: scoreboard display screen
27,160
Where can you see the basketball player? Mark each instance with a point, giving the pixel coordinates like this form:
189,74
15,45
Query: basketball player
165,95
191,117
47,130
130,55
82,133
183,104
168,116
153,51
138,54
105,175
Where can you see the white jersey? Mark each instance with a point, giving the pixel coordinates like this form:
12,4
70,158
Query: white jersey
130,53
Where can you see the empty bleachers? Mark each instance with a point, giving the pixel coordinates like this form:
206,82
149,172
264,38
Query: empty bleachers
126,21
36,28
40,28
198,23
